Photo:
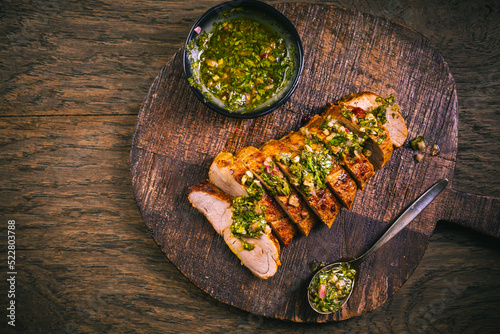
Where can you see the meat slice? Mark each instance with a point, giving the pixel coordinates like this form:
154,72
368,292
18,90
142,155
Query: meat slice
277,185
362,123
338,180
349,154
322,202
215,205
226,175
262,259
385,110
231,176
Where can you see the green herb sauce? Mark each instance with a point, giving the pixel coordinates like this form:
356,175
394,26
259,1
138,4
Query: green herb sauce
274,179
381,111
253,189
418,143
243,63
308,168
248,218
329,288
369,120
248,214
342,141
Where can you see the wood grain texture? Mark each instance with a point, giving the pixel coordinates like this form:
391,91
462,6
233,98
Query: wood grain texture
356,52
74,74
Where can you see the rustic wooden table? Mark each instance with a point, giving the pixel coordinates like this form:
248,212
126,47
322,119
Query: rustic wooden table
73,78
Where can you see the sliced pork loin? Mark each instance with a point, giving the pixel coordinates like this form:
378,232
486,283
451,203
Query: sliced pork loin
322,202
380,144
227,176
264,167
338,180
215,205
262,259
391,119
355,162
231,176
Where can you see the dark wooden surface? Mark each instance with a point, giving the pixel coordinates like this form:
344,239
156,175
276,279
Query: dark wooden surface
73,78
345,51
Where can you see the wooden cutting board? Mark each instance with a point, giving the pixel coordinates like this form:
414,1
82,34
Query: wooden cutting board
176,138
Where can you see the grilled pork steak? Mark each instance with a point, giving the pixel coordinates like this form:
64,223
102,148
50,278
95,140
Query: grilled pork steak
380,144
338,180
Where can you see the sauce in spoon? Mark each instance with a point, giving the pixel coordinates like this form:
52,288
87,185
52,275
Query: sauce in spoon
331,287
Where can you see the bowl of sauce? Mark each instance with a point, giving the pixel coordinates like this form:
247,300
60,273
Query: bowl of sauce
243,59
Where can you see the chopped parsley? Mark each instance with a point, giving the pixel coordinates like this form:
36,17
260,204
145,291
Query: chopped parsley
342,141
308,168
274,179
254,190
370,126
248,218
331,286
370,121
381,111
418,143
346,113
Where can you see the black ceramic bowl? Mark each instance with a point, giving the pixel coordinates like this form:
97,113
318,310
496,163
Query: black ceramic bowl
257,11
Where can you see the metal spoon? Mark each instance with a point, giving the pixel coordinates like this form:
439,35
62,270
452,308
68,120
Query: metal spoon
404,219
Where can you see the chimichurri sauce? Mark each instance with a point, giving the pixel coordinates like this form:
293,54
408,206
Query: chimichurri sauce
249,220
243,63
308,168
330,287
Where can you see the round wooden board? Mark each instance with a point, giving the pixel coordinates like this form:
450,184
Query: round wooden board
176,138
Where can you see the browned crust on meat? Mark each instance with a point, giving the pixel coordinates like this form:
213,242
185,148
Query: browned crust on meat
301,214
273,211
326,206
227,160
381,153
353,96
338,180
342,185
358,167
284,229
323,204
212,190
298,213
294,140
278,247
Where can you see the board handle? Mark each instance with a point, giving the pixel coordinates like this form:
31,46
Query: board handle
481,213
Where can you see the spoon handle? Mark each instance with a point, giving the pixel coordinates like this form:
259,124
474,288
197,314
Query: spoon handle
407,216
